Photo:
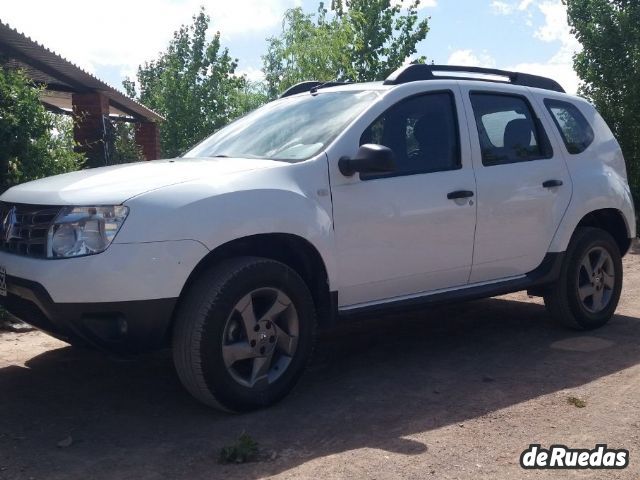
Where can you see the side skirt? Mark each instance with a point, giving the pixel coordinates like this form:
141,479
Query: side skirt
535,281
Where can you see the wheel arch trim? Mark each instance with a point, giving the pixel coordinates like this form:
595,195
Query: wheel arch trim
293,250
612,219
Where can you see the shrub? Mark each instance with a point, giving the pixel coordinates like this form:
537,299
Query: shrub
34,143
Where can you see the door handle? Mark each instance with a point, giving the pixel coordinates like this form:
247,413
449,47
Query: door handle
459,194
552,183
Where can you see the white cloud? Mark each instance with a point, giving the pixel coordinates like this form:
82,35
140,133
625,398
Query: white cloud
468,58
560,72
555,26
123,33
554,29
500,7
558,67
253,74
524,4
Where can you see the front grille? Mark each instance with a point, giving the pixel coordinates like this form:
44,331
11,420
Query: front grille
24,228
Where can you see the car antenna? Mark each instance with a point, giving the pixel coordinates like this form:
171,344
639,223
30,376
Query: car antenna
329,83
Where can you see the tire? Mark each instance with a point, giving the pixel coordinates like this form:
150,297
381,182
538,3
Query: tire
586,298
235,361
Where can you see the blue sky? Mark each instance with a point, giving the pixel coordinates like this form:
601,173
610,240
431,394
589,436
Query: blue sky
525,35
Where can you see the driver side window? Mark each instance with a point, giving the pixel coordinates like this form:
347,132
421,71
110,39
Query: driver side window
422,131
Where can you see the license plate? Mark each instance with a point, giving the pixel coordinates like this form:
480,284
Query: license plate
3,281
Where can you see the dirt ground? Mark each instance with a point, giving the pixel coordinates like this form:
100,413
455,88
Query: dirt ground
452,392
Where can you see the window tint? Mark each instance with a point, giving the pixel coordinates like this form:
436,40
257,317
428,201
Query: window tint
574,128
422,131
508,129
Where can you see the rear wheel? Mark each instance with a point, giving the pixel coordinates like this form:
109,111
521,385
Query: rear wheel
588,290
244,334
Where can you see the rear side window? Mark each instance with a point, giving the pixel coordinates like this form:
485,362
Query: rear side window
508,130
574,128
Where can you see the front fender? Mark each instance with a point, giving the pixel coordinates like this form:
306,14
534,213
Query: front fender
214,213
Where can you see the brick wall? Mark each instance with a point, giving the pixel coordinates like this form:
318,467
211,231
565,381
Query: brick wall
148,139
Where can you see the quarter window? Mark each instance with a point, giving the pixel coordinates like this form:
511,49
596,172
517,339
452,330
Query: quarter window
422,131
508,130
575,130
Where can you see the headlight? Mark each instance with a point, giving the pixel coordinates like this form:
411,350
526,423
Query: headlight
79,231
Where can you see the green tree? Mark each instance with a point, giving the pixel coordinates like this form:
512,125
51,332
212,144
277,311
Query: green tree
359,40
251,96
383,35
609,66
310,47
34,143
192,84
122,143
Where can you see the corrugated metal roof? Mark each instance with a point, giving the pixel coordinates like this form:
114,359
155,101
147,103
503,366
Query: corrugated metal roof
48,67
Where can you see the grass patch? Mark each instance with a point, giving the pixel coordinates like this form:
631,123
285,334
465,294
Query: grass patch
244,450
576,402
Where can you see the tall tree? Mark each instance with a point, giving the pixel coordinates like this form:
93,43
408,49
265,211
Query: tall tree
192,84
609,65
309,47
383,37
358,40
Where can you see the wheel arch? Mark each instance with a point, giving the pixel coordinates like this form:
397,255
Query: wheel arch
292,250
613,222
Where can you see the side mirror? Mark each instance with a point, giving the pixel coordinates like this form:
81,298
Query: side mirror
371,158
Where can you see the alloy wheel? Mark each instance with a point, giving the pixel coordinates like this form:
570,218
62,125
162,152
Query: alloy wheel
596,280
260,337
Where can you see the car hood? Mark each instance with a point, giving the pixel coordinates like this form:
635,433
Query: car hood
118,183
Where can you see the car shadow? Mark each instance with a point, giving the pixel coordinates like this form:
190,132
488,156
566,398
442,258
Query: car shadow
371,384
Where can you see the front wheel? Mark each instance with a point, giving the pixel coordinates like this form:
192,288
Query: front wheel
587,293
244,334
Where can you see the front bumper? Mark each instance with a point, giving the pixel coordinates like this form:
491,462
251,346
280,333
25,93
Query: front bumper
122,327
121,299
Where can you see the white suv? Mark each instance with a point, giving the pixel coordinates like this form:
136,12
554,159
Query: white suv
438,184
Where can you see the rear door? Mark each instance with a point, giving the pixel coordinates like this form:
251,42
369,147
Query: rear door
523,184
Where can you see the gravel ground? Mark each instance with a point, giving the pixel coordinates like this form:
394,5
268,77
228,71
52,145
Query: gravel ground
452,392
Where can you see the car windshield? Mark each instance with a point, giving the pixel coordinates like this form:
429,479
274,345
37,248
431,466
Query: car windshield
291,129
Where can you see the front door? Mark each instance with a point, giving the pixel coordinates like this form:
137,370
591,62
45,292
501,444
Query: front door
404,233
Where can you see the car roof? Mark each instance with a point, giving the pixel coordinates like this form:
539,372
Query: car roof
440,75
479,84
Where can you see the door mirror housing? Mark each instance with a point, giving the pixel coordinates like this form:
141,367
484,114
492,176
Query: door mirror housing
371,158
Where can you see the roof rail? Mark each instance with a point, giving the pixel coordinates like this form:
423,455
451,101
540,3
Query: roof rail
308,86
416,72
